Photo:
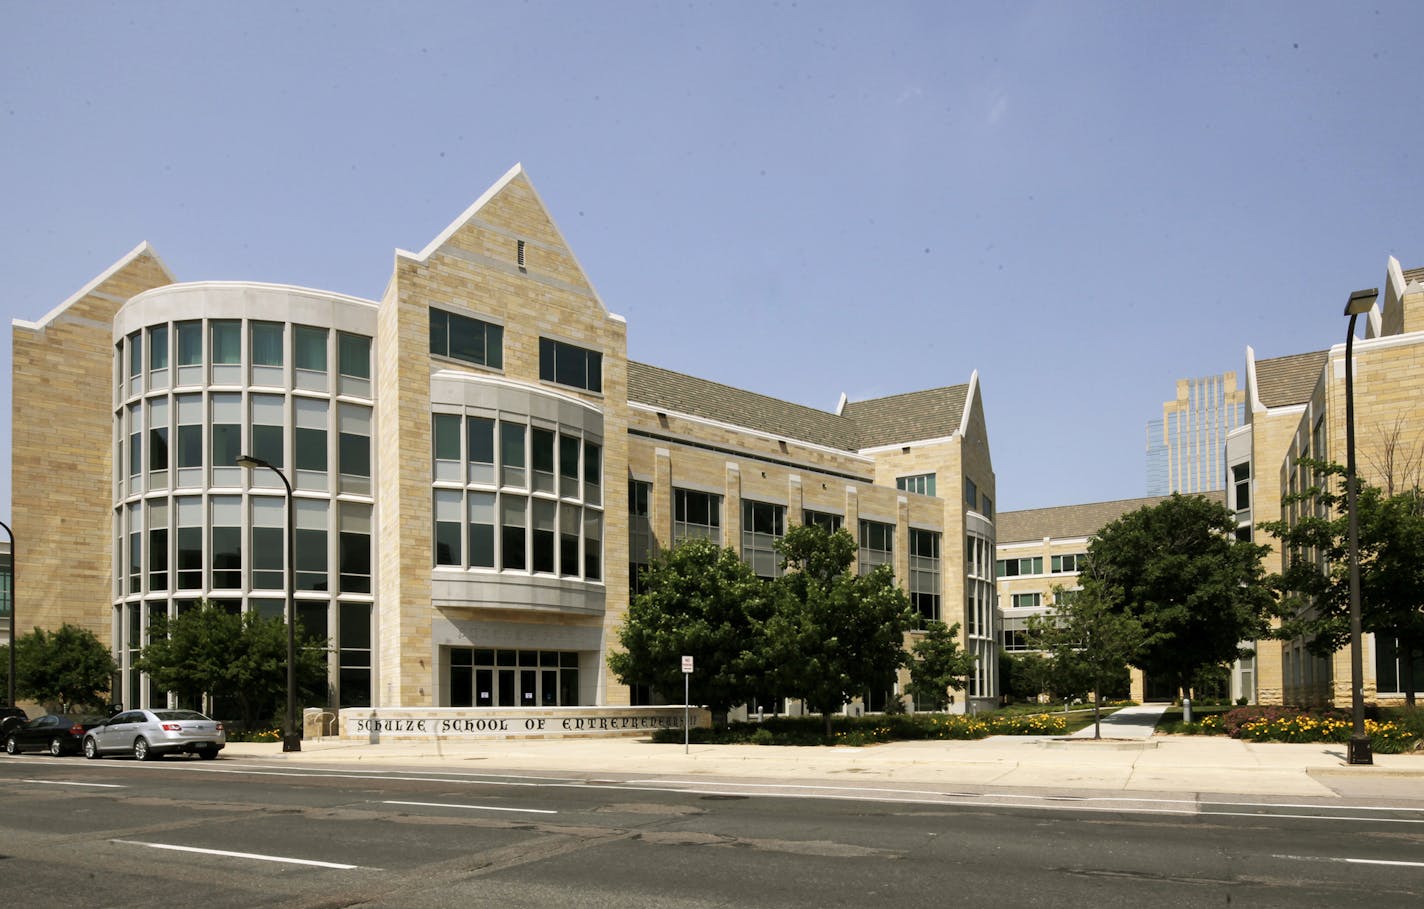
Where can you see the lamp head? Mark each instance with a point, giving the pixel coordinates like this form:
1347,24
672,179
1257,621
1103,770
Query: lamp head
1361,301
250,462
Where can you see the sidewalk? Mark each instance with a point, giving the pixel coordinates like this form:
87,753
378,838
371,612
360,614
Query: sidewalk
1137,722
1183,765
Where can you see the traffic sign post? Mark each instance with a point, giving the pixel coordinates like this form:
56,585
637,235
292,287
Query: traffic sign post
686,678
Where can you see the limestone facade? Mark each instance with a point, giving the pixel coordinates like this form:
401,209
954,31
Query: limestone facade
466,453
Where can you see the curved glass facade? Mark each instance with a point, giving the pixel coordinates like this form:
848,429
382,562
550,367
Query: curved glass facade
277,373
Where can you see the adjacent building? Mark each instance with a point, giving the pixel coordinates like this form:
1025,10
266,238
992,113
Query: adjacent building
1184,447
1297,411
1039,556
477,470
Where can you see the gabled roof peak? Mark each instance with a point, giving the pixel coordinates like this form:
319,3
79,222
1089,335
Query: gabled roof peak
138,252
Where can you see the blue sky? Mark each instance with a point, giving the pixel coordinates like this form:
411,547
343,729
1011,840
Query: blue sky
1083,201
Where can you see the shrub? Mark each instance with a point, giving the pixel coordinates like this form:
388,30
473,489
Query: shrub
870,730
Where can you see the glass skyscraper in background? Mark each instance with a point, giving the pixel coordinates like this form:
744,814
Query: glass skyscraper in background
1185,447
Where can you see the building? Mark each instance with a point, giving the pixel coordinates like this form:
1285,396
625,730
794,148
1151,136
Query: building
1039,555
477,469
1297,411
1184,447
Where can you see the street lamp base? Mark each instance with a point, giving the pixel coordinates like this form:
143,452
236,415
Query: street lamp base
1360,752
294,743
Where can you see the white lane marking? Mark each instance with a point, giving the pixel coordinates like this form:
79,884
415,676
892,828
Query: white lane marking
246,855
891,796
1349,861
69,783
472,807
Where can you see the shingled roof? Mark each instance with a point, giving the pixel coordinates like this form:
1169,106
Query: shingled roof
918,415
1284,381
897,419
668,390
1071,521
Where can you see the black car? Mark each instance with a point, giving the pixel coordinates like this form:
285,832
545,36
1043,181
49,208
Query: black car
10,718
56,733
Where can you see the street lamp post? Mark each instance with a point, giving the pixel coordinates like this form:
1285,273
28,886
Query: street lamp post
291,737
1360,302
11,677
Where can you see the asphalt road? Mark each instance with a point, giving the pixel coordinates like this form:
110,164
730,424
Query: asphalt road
243,833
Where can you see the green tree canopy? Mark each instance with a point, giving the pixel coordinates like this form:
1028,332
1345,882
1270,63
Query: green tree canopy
1178,570
938,663
208,650
832,635
699,600
1314,585
69,667
1089,640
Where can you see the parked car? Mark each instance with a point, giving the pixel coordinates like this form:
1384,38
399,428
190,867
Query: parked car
149,734
11,717
54,732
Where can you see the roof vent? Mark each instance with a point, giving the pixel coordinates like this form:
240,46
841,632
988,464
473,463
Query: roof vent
519,254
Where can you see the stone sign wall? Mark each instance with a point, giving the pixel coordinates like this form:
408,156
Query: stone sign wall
373,724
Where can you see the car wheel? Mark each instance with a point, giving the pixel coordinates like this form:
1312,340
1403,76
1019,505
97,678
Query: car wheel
11,746
56,746
141,750
208,754
91,748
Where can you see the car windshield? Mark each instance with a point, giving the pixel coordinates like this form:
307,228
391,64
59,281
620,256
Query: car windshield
178,715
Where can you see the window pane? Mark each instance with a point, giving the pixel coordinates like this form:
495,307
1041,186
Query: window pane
266,344
267,444
353,355
355,454
227,342
447,437
311,449
158,347
481,440
467,339
310,348
190,343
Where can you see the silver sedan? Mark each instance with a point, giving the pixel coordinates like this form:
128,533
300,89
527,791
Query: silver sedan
149,734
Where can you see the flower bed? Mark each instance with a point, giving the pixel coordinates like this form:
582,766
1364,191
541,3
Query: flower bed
870,730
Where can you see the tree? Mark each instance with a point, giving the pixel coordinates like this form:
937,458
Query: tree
1088,638
68,666
1314,585
1178,570
208,650
832,635
938,663
699,600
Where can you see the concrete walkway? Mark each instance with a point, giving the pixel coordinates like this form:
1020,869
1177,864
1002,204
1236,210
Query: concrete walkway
1127,723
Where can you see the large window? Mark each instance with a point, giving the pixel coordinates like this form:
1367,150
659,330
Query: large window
463,338
506,528
1027,600
354,626
925,574
570,365
762,525
877,545
696,516
1008,568
640,533
1067,564
828,522
226,518
923,484
1241,485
